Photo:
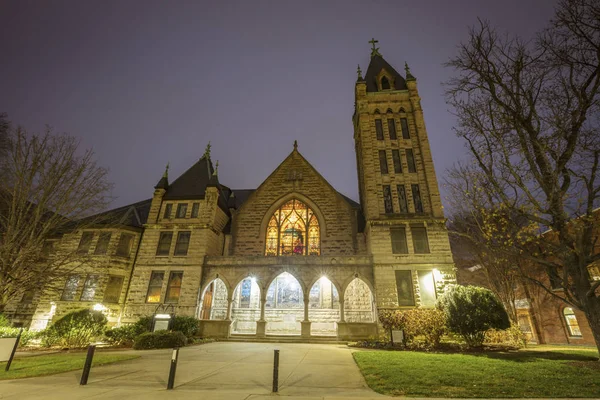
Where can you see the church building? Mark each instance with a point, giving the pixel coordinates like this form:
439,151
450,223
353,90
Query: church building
290,257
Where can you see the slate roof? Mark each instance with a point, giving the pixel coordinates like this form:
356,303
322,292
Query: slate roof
134,215
192,183
375,66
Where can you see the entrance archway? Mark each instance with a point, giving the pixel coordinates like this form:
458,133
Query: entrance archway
358,302
323,308
214,301
245,310
284,308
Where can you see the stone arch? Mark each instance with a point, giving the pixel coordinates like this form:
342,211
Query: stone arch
360,276
210,279
214,300
358,298
245,307
284,308
312,282
275,275
401,110
323,307
389,111
377,111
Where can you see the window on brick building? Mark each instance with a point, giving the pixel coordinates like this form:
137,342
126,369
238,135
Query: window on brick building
164,244
174,287
398,235
402,199
113,289
387,200
168,211
124,246
420,241
379,129
383,166
85,242
392,128
70,287
404,288
571,322
195,210
397,161
416,193
102,245
155,287
293,230
404,126
181,210
182,244
89,288
410,160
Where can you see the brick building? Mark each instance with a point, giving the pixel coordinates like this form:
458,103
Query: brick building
291,257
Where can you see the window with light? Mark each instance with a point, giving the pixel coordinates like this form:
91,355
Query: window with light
293,230
571,321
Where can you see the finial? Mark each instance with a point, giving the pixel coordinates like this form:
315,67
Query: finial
295,145
207,151
374,50
359,72
166,174
216,172
409,76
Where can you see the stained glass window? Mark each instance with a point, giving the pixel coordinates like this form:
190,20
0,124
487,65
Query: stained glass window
293,230
155,287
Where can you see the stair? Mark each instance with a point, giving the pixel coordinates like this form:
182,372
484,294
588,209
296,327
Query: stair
284,339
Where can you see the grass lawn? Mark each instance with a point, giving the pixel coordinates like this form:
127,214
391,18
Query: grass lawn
542,372
26,367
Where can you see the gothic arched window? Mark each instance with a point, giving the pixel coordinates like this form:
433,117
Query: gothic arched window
385,83
293,230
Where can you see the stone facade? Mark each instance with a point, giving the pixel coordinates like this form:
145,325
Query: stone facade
293,256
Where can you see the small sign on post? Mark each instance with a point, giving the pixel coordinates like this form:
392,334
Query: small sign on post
276,371
88,364
174,358
14,350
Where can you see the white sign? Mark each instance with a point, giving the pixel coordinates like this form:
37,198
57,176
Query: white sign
397,337
161,325
6,347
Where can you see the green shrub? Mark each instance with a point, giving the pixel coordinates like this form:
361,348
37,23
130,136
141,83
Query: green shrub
76,329
144,324
26,336
471,311
4,322
159,340
512,336
124,335
430,324
189,326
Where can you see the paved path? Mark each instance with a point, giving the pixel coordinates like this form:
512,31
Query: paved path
224,370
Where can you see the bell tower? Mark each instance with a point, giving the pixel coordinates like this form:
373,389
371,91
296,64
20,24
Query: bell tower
399,194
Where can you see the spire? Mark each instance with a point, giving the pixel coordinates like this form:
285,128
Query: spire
214,178
231,201
207,151
216,171
374,50
163,183
359,72
409,76
295,145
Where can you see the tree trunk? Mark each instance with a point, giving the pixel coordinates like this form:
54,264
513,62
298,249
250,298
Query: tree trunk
592,312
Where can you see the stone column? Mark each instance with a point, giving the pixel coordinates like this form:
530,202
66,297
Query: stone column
261,324
305,325
342,316
229,307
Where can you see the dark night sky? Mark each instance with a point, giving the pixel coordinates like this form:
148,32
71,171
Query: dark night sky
146,82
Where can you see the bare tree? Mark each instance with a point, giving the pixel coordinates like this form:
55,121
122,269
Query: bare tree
529,113
49,187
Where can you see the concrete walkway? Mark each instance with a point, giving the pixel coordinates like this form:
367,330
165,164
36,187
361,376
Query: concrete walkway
223,370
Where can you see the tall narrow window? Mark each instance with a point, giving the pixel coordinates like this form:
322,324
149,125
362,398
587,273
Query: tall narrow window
397,161
124,246
416,193
398,235
168,211
89,288
383,165
85,242
392,128
427,288
113,289
385,83
404,287
102,245
182,244
419,237
195,209
378,129
410,160
155,287
164,244
402,199
571,321
181,210
70,288
404,125
387,199
174,287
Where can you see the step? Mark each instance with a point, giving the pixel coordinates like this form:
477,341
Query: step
284,339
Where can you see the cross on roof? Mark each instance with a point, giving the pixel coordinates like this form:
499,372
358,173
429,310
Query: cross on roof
374,50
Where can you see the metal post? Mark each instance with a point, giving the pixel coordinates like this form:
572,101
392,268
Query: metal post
88,364
173,369
14,350
276,372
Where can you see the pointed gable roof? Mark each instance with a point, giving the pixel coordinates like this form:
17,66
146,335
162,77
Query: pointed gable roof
192,183
375,66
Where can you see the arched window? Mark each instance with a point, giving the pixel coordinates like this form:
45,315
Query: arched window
571,321
293,230
385,83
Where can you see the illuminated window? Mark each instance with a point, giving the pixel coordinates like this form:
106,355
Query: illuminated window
70,288
174,287
155,287
89,288
571,321
293,230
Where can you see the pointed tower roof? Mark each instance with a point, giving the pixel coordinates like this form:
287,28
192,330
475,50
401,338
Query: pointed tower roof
375,66
163,183
192,183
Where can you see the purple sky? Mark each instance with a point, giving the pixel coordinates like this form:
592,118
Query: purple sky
147,82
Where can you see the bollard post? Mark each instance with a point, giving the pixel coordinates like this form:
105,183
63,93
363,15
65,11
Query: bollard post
276,371
88,364
173,369
14,350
